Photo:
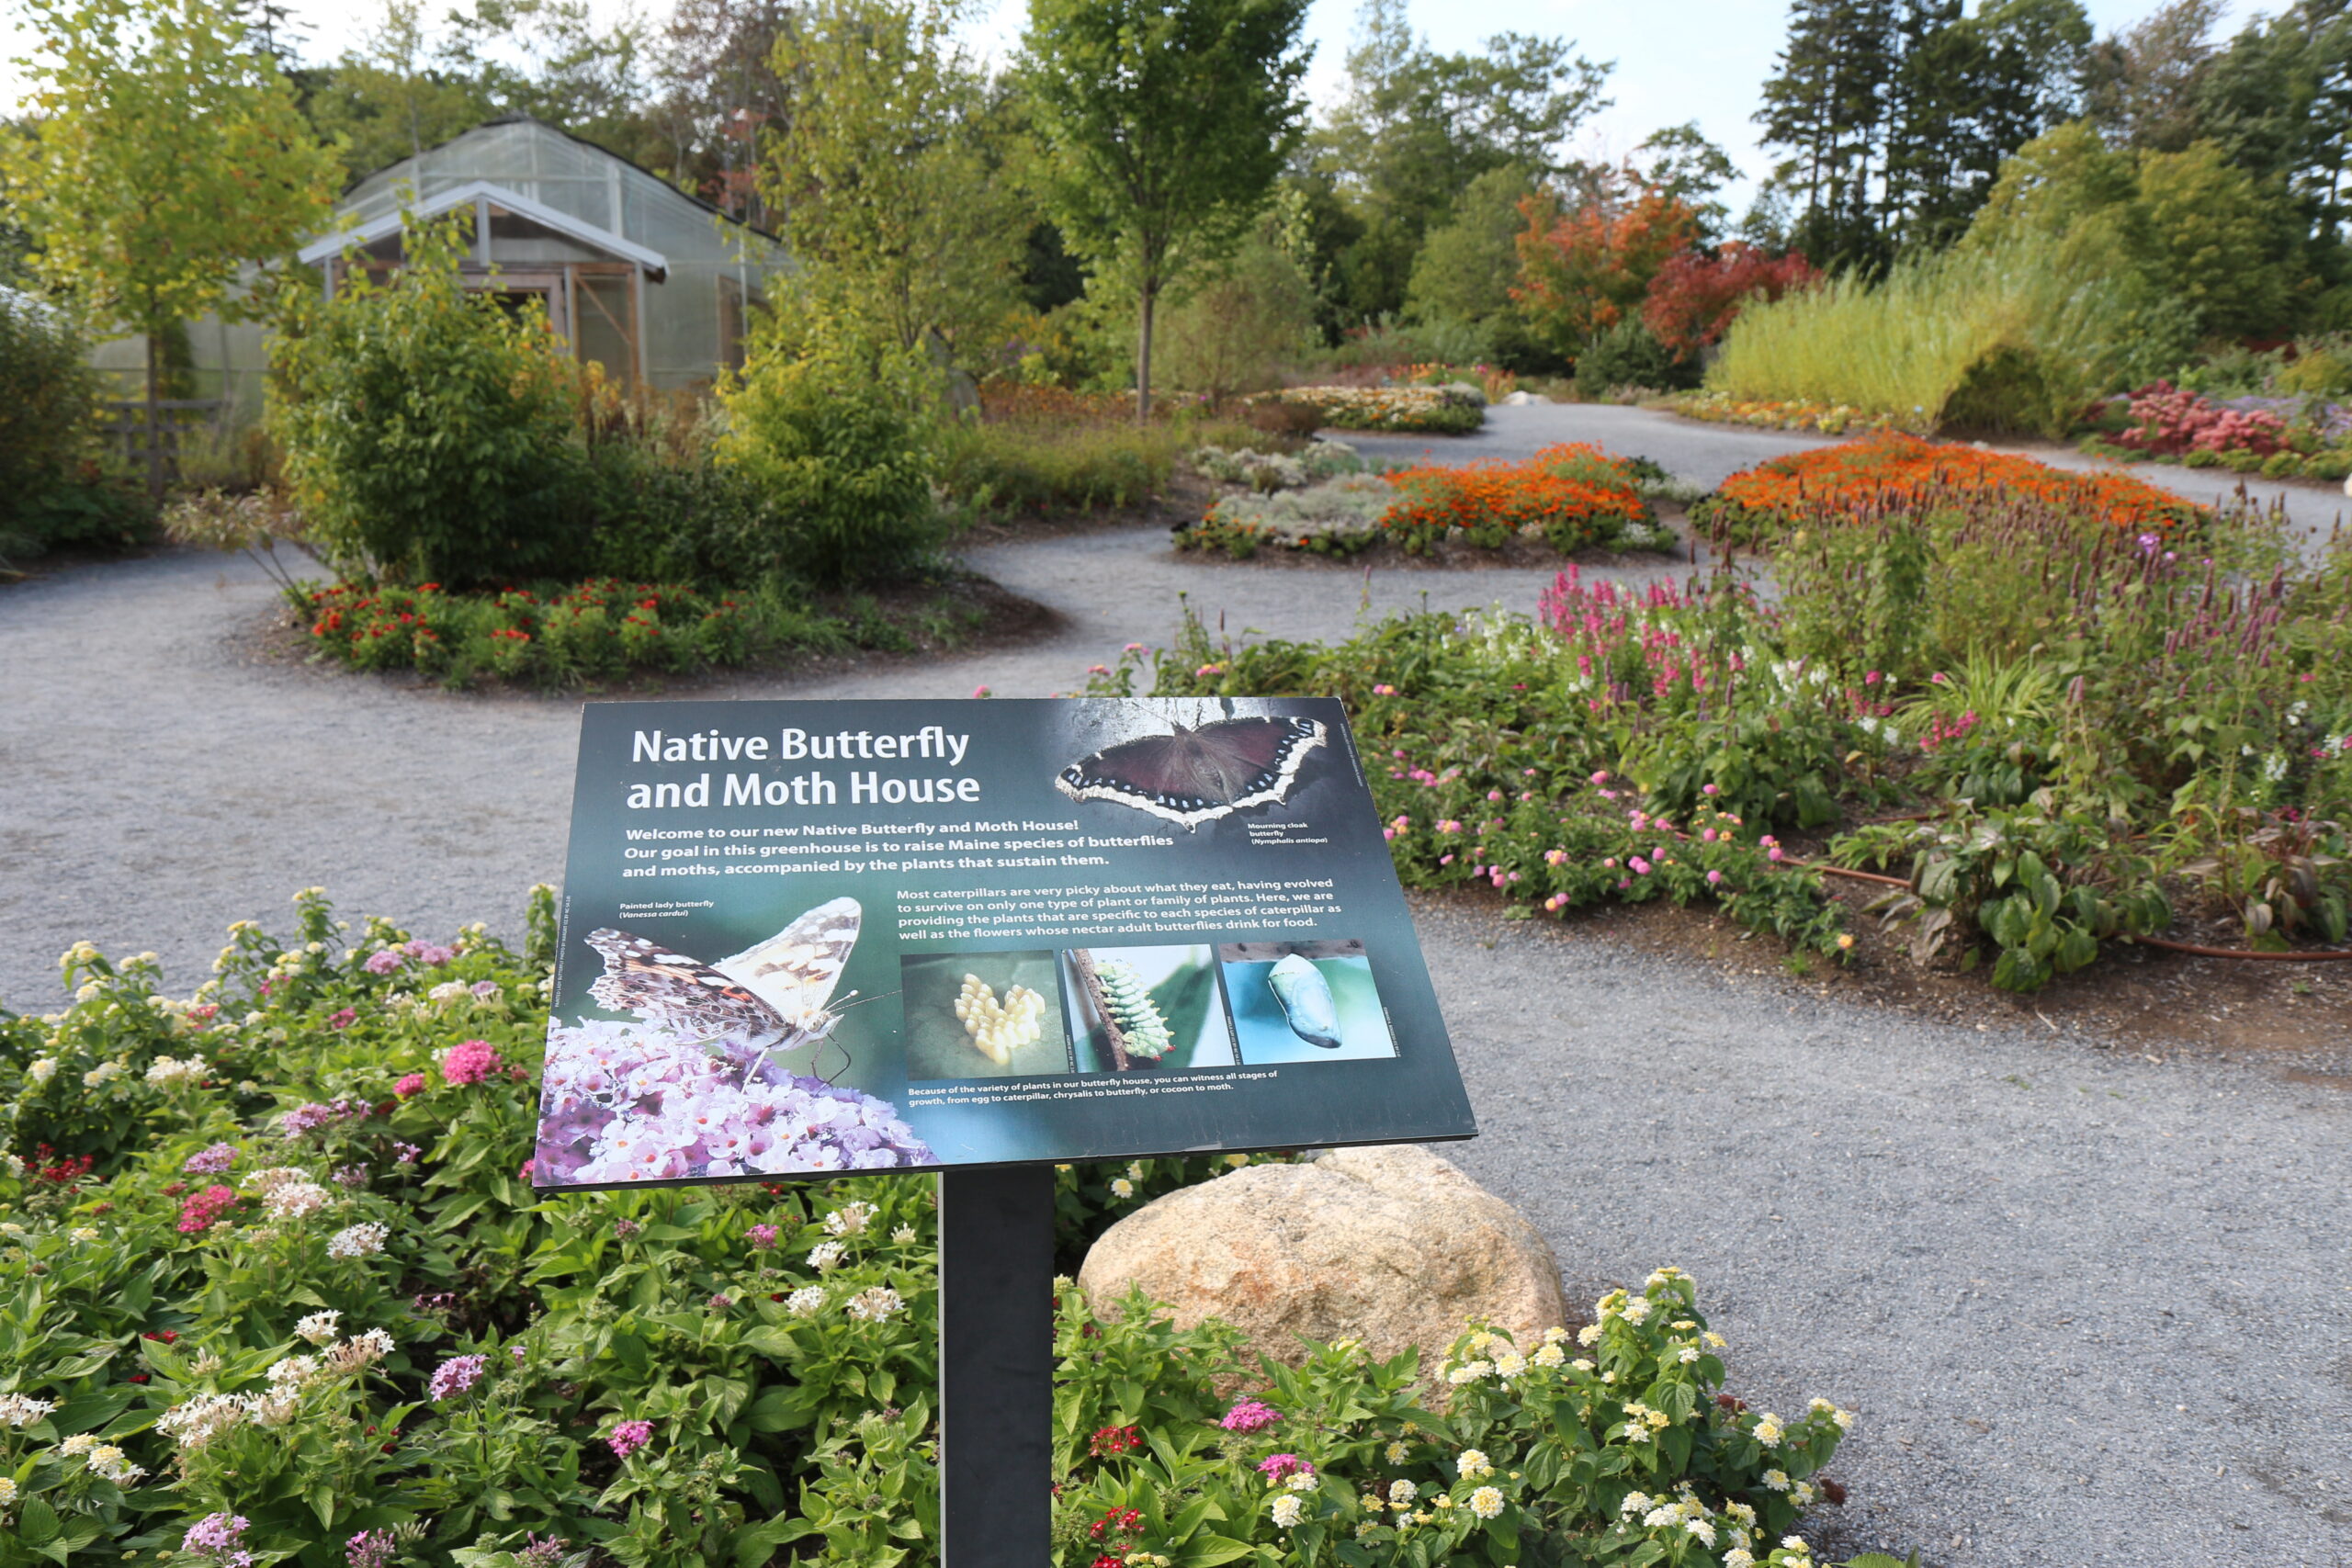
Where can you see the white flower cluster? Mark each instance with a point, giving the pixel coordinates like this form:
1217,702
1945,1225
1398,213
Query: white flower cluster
23,1410
295,1200
105,1461
875,1303
849,1219
827,1255
320,1326
200,1420
805,1302
357,1241
174,1072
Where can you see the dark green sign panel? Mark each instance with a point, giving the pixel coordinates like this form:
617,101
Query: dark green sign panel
803,937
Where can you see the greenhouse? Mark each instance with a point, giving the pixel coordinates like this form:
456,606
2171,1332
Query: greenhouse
652,284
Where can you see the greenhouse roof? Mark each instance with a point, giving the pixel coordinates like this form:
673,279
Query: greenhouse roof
654,263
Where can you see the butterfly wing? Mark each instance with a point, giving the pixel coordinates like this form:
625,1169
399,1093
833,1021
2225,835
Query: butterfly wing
1197,775
670,990
794,971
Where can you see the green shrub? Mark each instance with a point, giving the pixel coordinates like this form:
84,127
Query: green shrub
428,432
2283,466
684,520
2331,466
1629,354
838,430
52,490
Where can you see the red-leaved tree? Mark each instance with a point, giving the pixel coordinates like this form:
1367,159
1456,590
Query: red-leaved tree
1695,296
1581,273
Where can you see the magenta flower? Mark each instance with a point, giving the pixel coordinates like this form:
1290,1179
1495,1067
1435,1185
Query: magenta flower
342,1018
1250,1415
629,1436
1640,866
1715,878
431,954
764,1238
1282,1467
409,1084
212,1161
370,1548
384,962
455,1375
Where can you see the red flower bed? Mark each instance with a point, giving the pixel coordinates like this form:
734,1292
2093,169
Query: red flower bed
1893,471
2168,419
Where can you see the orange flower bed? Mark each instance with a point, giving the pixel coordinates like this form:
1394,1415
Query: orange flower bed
1891,472
1572,495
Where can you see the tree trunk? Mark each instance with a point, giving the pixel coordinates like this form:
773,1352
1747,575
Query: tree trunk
154,434
1143,353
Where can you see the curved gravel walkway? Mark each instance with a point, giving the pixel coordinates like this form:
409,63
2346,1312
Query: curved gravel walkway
2090,1307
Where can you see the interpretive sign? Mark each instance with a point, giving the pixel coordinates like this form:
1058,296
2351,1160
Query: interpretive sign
805,936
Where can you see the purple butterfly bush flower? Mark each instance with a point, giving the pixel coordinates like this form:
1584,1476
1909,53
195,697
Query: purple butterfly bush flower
455,1375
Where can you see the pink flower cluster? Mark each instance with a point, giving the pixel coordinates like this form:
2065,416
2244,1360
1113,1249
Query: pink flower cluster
371,1549
306,1119
1250,1416
212,1161
219,1537
623,1103
1282,1467
629,1436
408,1085
455,1375
469,1062
200,1210
2169,420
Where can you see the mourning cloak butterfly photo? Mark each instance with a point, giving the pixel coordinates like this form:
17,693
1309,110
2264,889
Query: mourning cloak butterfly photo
1198,775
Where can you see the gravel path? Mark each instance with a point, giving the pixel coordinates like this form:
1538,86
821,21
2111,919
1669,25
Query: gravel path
2090,1307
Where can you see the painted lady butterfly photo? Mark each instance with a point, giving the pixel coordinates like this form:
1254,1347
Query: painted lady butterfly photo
771,995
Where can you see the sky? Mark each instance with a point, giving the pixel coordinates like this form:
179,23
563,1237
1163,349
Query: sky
1676,60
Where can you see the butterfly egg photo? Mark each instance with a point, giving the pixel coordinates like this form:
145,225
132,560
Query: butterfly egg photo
999,1028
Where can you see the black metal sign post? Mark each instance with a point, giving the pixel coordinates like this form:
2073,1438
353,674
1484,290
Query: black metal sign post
996,1366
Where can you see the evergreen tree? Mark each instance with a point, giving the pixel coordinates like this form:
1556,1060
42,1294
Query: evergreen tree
1827,103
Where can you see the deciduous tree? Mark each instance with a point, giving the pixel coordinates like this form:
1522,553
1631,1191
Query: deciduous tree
167,155
891,173
1167,122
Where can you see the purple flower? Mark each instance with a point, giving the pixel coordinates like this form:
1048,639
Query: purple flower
763,1237
485,989
542,1551
384,962
720,1301
406,1154
370,1548
351,1176
626,1228
215,1535
212,1161
455,1375
429,955
1250,1415
629,1436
